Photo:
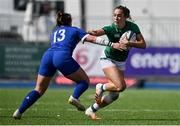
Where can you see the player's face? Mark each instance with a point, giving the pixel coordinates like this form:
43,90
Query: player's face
118,16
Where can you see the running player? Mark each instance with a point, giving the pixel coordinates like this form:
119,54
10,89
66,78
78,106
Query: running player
113,60
59,57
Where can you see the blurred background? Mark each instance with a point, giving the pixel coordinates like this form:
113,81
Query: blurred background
25,26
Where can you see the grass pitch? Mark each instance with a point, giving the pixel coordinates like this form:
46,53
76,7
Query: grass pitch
145,107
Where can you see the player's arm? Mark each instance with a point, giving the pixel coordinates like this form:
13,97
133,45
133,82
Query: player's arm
98,32
140,42
102,41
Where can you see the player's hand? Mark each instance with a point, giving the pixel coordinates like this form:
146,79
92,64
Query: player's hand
119,46
92,32
125,41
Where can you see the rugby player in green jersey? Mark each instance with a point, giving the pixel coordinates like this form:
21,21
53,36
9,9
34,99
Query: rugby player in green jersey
113,60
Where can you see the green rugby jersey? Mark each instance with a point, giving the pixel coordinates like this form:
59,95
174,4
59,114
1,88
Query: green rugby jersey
114,33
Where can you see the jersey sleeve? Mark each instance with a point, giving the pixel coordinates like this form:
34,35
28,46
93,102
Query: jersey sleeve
81,34
136,29
107,29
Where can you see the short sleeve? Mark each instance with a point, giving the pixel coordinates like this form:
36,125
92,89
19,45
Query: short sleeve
81,34
107,29
136,29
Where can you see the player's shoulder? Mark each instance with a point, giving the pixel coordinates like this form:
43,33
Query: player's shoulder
109,27
76,28
66,27
131,23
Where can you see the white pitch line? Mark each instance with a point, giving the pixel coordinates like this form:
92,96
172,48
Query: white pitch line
107,110
133,110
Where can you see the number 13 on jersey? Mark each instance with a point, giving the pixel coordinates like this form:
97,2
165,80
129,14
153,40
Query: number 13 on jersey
59,35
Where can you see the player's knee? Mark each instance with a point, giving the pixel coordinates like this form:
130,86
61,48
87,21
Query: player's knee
88,81
121,87
41,91
87,84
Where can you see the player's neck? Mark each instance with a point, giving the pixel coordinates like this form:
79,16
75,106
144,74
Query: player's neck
121,25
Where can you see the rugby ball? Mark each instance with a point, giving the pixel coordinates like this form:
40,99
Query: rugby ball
129,35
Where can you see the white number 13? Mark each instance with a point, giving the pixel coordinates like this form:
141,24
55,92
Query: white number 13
61,36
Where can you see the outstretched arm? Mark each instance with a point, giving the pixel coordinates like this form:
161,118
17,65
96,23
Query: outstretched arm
98,32
104,42
98,40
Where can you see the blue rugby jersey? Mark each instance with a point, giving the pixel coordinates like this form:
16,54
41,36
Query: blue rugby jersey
66,38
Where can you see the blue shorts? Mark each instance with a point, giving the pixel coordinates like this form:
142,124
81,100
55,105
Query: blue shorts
57,60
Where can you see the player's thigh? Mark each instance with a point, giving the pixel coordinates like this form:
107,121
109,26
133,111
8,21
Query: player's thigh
72,70
47,67
78,75
113,71
45,73
114,75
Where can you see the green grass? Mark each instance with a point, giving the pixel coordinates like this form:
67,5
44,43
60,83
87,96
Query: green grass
145,107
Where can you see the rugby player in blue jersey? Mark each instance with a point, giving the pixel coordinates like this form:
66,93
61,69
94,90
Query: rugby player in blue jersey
64,39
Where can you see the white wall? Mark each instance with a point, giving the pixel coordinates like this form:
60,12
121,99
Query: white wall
99,13
157,8
73,7
96,10
6,6
159,20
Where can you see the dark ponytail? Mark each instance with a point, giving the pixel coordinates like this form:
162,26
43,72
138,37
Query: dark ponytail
63,19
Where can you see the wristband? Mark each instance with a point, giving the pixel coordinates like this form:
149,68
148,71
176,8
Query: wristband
102,41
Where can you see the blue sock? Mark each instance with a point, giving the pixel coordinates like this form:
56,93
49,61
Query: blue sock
80,87
31,98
